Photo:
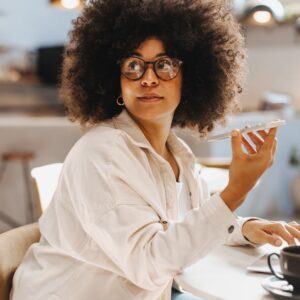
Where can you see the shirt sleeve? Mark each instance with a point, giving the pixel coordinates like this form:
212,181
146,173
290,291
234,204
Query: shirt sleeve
139,247
237,237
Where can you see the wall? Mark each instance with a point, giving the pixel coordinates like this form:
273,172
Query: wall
274,64
33,23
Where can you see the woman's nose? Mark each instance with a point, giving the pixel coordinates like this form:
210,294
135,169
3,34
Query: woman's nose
149,78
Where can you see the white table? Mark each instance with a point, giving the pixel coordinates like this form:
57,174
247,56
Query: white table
222,275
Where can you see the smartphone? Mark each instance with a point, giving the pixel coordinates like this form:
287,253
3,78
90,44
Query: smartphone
248,128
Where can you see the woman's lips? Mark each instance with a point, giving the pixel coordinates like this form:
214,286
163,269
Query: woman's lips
150,98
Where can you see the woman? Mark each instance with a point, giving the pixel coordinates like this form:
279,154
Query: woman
130,210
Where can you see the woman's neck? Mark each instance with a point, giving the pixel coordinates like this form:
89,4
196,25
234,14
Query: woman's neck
156,132
157,136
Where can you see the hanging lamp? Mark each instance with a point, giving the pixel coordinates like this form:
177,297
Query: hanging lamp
68,4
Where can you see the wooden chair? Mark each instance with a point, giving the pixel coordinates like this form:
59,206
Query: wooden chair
24,158
44,181
14,243
13,247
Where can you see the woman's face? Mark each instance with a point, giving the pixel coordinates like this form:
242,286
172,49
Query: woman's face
151,98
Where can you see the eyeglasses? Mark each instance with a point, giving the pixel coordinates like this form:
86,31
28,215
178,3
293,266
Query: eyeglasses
165,68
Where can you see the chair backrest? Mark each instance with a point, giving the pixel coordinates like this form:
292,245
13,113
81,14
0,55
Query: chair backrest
45,180
13,246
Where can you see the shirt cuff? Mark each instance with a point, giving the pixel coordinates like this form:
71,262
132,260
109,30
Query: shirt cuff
224,220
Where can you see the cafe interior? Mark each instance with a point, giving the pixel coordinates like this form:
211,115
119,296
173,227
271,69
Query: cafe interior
36,135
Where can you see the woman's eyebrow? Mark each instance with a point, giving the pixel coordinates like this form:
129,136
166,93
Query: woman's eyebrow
157,55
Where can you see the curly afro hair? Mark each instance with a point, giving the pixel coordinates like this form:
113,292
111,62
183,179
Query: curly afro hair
203,34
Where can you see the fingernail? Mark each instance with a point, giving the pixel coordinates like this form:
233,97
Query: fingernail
278,242
234,133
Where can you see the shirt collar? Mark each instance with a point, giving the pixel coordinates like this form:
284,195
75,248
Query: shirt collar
125,123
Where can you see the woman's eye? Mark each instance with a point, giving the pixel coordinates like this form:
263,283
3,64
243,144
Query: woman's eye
165,64
133,66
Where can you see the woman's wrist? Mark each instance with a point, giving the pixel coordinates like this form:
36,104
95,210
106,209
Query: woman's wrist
232,198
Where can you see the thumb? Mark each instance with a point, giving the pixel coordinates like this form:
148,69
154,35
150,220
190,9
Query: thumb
236,143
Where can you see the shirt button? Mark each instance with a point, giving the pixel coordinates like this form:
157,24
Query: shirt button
230,229
190,193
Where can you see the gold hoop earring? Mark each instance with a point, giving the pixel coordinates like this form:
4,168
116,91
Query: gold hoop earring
120,101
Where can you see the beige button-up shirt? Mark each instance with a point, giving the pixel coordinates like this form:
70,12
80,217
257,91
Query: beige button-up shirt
112,230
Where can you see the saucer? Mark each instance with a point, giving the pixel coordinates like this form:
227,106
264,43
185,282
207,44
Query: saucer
280,288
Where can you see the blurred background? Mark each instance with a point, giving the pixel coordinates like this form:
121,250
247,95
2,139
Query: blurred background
34,130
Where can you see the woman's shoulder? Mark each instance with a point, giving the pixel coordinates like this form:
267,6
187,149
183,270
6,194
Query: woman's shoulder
102,141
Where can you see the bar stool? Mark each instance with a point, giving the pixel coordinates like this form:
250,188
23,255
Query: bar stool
24,157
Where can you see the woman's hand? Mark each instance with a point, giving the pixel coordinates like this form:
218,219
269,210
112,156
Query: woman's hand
246,168
264,231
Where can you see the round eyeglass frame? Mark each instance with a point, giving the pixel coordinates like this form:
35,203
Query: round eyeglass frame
147,63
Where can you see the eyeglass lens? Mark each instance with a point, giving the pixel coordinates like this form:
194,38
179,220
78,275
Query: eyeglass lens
165,68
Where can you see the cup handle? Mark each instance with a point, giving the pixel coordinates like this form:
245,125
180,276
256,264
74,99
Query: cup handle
271,267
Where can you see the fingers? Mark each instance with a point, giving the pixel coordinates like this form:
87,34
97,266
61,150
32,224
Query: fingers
272,239
270,139
256,139
274,233
236,143
272,133
295,225
274,146
293,231
284,231
260,139
248,146
262,133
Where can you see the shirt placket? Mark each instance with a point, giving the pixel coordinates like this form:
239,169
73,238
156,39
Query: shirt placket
170,191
